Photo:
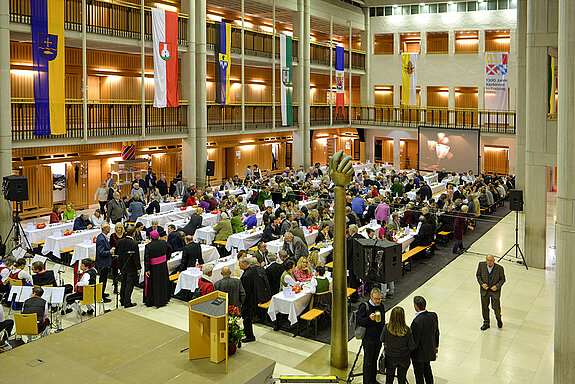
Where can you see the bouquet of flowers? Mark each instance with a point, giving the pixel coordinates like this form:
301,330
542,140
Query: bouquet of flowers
235,325
40,226
68,232
183,208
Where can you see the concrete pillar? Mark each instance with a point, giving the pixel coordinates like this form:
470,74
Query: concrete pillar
298,148
367,91
423,43
536,101
201,95
306,84
396,43
481,98
5,115
481,41
451,43
396,153
565,228
451,104
520,108
188,92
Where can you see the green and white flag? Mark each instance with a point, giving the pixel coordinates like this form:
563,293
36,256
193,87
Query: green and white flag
287,79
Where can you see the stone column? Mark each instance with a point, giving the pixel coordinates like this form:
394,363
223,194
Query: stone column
396,153
536,134
306,85
367,91
565,228
298,147
520,106
189,93
5,115
201,95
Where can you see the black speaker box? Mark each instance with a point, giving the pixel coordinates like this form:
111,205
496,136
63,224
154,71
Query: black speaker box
377,261
516,200
15,188
210,168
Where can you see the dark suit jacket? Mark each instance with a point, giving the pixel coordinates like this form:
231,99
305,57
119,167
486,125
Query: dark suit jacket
297,231
299,248
128,255
274,272
191,253
261,258
45,277
234,289
425,329
195,223
103,254
497,279
270,233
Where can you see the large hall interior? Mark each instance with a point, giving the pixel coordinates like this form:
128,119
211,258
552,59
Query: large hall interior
296,191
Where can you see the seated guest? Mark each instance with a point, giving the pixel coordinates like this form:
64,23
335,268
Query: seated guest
5,324
139,228
154,205
233,287
191,254
408,216
424,235
350,217
42,276
194,223
324,234
36,304
301,221
285,222
266,215
262,254
252,220
56,214
302,272
97,219
69,213
136,208
136,189
155,227
236,221
294,246
205,203
18,273
191,201
297,231
287,279
205,283
174,238
5,269
82,222
274,272
223,228
87,277
320,281
271,230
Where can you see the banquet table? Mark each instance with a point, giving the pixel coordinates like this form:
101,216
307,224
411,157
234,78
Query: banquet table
431,178
292,306
245,239
189,278
56,243
437,187
275,246
206,234
309,204
166,217
34,234
169,206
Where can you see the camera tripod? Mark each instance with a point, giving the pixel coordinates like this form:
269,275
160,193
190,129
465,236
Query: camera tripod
18,235
516,245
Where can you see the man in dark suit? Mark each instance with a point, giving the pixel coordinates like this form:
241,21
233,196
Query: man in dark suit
262,254
150,182
373,323
425,330
271,230
194,223
425,191
274,272
353,280
191,254
130,267
249,280
116,209
491,278
233,287
104,258
425,234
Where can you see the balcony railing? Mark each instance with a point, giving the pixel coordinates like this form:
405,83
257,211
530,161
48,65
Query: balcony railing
112,19
105,118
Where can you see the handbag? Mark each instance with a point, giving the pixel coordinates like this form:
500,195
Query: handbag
381,363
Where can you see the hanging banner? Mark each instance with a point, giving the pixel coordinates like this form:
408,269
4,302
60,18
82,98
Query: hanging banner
223,61
339,80
128,151
496,81
165,42
551,83
286,80
47,19
409,78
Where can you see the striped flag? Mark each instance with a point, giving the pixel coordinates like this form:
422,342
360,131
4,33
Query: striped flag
287,79
551,84
48,57
223,62
165,42
128,151
339,80
409,78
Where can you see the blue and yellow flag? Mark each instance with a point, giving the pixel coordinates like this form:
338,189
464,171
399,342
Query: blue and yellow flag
223,62
48,55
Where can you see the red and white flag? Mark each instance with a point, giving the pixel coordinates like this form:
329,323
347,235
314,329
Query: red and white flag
165,41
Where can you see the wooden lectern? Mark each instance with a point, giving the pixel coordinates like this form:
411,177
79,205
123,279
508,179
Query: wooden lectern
208,328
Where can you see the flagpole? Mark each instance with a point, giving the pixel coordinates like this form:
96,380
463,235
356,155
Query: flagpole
143,65
84,77
350,30
243,69
274,65
330,71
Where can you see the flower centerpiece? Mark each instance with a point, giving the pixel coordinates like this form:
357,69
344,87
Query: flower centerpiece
235,329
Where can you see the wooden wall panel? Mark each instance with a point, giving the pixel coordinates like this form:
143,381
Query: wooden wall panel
383,95
408,154
383,44
437,42
496,159
94,178
466,42
466,97
165,164
45,187
77,191
437,97
496,41
31,172
387,151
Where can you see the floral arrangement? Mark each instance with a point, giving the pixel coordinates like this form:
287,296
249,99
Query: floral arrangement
40,226
95,239
183,208
215,211
68,232
235,325
296,288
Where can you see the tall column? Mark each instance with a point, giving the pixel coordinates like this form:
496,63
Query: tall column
536,134
243,66
84,76
273,65
520,106
189,93
143,67
298,148
367,90
201,95
306,85
5,114
396,153
349,70
330,71
565,228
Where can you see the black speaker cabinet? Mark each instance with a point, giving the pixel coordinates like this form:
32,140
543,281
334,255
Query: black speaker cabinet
15,188
516,200
210,168
377,261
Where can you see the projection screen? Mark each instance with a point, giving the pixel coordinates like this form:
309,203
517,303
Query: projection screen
450,149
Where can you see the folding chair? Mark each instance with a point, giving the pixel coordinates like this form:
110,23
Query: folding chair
27,325
92,295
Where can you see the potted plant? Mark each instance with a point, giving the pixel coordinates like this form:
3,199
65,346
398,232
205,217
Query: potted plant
235,329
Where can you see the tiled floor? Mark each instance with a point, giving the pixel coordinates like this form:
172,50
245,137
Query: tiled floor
520,352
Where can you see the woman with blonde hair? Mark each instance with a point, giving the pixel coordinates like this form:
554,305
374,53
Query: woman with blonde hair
313,260
313,217
69,213
302,272
397,343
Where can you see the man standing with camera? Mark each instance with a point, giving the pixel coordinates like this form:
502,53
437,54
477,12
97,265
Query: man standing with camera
371,315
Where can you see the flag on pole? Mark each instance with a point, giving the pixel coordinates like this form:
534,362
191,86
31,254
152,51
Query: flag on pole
496,82
223,62
128,151
286,79
409,78
47,19
339,80
165,42
551,84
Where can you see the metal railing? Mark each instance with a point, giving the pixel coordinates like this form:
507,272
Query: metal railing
105,118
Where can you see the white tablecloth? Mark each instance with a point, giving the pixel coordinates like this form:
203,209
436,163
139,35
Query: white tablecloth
437,187
36,234
316,182
244,240
165,207
55,244
206,234
275,246
291,307
166,217
189,279
309,204
430,179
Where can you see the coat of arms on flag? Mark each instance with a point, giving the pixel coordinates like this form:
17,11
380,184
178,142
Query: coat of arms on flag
48,46
286,77
165,49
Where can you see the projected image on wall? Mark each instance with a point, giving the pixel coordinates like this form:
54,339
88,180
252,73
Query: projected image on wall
449,149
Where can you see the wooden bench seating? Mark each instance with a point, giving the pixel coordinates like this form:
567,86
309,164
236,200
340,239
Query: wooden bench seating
265,305
406,256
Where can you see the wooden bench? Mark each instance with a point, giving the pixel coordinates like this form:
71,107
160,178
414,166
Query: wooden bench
444,236
220,242
67,250
253,249
406,256
311,315
38,244
174,278
329,265
265,305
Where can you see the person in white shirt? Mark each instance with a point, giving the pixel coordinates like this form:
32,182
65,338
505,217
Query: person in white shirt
88,277
6,267
18,273
97,219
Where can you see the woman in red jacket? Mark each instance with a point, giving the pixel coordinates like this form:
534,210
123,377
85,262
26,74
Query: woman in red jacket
56,215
